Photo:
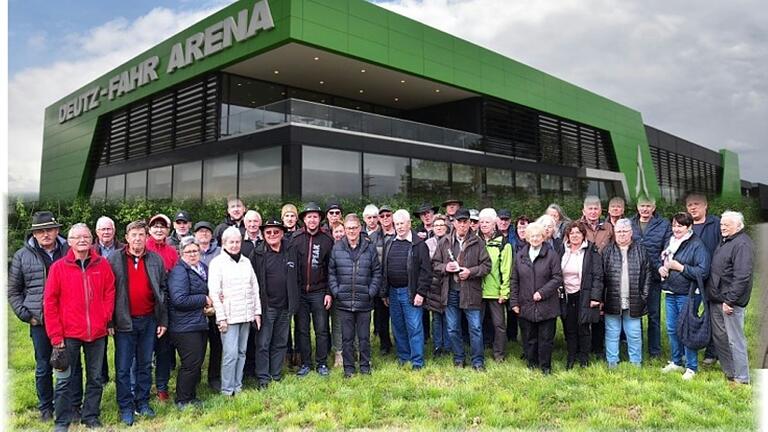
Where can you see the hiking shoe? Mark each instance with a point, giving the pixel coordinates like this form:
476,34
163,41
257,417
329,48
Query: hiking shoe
689,374
46,415
323,370
145,411
709,361
303,371
127,417
672,367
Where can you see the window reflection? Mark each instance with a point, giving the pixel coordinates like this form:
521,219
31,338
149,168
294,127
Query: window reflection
330,172
261,173
384,175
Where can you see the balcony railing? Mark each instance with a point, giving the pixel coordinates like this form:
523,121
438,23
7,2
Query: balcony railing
297,111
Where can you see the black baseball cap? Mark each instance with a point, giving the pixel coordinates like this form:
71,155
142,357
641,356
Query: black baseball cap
461,213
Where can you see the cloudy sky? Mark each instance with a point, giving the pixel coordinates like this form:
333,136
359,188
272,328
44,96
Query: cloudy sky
698,70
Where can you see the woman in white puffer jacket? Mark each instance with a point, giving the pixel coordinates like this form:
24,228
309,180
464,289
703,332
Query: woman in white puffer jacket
233,287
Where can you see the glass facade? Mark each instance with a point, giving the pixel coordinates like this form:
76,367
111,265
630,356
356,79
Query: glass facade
136,184
467,180
261,173
116,187
385,175
430,178
526,183
99,191
220,177
330,172
187,178
499,182
159,182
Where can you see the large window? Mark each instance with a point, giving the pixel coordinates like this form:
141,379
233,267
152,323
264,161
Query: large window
186,180
467,180
384,175
220,177
261,173
99,189
550,184
136,184
330,172
116,187
526,183
430,178
500,182
159,182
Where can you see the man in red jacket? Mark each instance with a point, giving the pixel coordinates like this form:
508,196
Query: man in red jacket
79,299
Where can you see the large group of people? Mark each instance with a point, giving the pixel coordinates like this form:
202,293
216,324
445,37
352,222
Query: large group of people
464,277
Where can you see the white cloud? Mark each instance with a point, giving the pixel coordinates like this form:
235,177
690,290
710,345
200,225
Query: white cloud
95,52
700,72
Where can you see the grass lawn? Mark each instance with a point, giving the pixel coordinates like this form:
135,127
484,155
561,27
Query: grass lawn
508,395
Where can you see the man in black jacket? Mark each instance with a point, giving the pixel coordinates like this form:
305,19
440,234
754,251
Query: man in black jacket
140,318
26,281
729,288
407,272
313,247
274,262
235,212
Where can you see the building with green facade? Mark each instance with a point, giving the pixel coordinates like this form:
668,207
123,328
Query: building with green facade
307,98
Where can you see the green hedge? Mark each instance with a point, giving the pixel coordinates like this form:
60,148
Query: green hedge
123,212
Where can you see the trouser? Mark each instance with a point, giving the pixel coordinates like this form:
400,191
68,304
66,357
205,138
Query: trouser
730,343
137,344
105,364
355,325
675,307
44,373
453,315
164,360
381,323
407,325
540,338
191,347
94,355
598,336
440,338
495,309
578,336
654,319
272,344
233,344
249,370
311,307
633,328
512,326
214,355
335,329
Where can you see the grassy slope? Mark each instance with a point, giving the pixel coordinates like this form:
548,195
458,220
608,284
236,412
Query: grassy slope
439,397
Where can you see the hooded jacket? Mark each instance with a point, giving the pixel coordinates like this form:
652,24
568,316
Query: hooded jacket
354,276
79,300
601,236
474,257
693,255
27,276
657,232
258,260
496,282
167,252
730,279
639,279
228,222
418,266
709,233
234,289
544,275
153,264
187,292
312,253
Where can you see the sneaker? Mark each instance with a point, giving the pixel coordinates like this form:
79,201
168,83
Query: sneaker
127,417
672,367
163,395
46,415
323,370
689,374
709,361
479,368
303,371
145,411
93,424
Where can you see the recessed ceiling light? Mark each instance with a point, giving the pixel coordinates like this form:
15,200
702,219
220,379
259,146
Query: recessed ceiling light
362,70
397,99
317,58
322,82
357,107
402,81
277,72
239,84
361,91
437,90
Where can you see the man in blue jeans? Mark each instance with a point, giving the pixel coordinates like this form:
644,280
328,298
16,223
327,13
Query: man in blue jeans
461,262
407,275
140,317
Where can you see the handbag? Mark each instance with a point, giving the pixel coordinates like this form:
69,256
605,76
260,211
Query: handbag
59,359
694,330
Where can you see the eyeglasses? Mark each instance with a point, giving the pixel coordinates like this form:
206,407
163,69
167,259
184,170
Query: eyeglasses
192,252
442,225
273,232
334,212
352,228
80,237
105,229
385,215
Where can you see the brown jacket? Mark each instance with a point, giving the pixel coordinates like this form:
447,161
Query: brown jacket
474,257
601,236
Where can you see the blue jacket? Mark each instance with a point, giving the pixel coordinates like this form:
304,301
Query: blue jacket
693,255
709,233
187,291
656,235
354,276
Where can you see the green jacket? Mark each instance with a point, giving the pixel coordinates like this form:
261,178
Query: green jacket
496,283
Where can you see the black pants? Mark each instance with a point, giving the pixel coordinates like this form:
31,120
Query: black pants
311,308
512,325
540,338
214,356
578,337
355,324
66,384
272,344
598,336
191,348
494,311
381,323
105,364
249,369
